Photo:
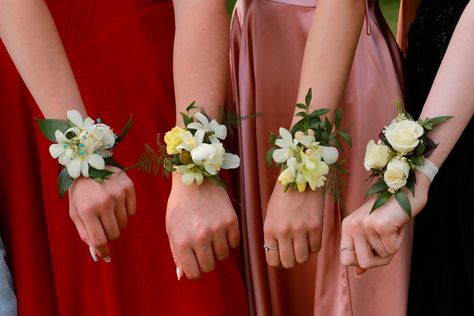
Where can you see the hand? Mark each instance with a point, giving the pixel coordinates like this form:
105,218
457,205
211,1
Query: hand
371,240
201,224
99,210
293,223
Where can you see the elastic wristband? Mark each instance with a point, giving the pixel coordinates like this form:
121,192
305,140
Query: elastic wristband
429,169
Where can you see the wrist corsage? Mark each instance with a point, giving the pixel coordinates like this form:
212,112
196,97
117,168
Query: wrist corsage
402,149
306,151
82,146
195,151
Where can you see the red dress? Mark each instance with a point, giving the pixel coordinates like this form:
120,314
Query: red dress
121,53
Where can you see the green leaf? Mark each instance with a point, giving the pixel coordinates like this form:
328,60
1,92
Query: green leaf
302,114
269,156
418,160
124,131
109,161
408,116
191,106
309,97
398,106
301,106
319,112
328,125
381,200
411,181
299,126
64,182
377,187
338,118
273,138
99,175
420,149
346,136
438,120
49,126
186,119
404,202
336,143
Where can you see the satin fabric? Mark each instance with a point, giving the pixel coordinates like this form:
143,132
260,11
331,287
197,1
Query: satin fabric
121,53
268,41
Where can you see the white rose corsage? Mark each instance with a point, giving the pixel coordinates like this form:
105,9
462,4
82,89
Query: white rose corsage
195,151
306,151
403,147
83,146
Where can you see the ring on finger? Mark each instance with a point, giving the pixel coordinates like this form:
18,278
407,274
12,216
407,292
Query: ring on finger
346,248
268,247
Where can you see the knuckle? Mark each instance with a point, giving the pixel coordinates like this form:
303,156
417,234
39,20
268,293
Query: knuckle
208,268
202,235
99,243
114,235
314,225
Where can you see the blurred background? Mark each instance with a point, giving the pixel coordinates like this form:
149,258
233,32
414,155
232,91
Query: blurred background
389,9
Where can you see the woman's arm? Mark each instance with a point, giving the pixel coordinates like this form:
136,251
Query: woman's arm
28,31
452,93
201,222
327,62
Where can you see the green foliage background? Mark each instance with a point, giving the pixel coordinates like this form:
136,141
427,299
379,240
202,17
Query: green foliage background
389,9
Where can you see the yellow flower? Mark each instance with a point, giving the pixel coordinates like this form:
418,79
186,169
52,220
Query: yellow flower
173,139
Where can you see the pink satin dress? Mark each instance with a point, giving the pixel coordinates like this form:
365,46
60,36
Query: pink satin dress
268,41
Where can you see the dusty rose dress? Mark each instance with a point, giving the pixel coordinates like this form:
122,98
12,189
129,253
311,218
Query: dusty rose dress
268,40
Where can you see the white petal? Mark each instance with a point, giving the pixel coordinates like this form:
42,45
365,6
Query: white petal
187,178
201,118
74,168
85,169
96,161
199,136
281,155
60,138
231,161
88,123
195,125
306,140
329,154
75,117
202,152
56,150
210,169
199,178
220,131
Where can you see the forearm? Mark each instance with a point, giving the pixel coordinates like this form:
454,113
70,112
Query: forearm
201,55
330,49
32,40
452,92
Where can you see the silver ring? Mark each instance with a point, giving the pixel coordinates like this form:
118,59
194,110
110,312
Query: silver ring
346,248
268,248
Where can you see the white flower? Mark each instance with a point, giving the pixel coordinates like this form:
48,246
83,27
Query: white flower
214,129
189,141
287,146
396,174
210,156
313,170
404,136
189,174
76,118
376,156
329,154
288,175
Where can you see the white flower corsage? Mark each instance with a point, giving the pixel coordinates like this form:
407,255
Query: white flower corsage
306,151
402,148
82,146
195,151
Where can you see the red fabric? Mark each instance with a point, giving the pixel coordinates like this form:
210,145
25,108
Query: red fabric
121,53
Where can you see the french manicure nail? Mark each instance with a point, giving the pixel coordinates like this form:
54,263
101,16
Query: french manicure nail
179,273
107,259
93,254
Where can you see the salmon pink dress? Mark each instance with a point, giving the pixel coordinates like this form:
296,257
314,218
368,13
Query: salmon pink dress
268,42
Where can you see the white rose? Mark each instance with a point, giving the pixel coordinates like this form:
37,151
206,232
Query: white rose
396,174
376,156
404,136
210,156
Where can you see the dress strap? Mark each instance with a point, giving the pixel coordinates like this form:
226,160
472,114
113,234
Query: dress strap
367,19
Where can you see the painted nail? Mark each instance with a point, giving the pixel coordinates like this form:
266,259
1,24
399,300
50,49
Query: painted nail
107,259
93,254
179,273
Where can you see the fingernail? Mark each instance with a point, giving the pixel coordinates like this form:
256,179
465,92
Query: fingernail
93,254
107,259
179,273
